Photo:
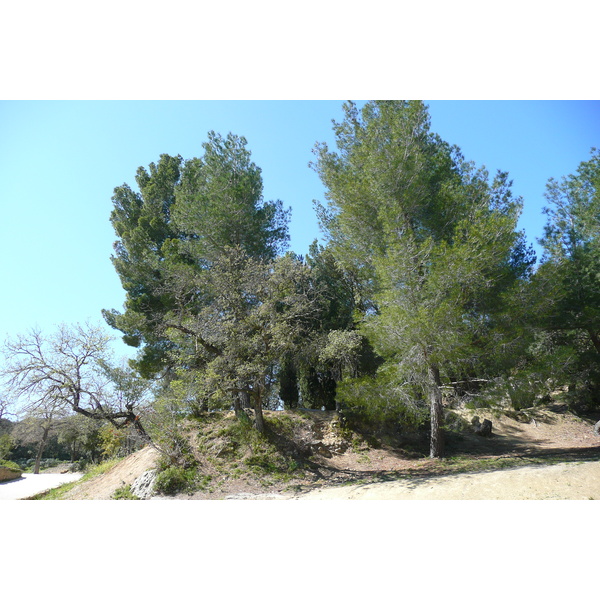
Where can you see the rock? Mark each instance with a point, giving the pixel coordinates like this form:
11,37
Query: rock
597,428
484,429
143,486
320,448
8,474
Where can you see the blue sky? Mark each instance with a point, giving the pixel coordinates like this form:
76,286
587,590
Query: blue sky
59,163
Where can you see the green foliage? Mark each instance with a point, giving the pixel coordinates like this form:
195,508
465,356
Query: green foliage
288,382
124,493
80,436
567,284
112,441
317,387
383,398
7,443
166,424
219,203
174,480
233,446
185,217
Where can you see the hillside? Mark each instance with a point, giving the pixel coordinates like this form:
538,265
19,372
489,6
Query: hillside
310,451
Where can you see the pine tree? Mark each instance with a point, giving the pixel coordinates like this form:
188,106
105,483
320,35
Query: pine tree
428,237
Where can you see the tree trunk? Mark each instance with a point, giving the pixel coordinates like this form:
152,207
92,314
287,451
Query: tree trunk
259,422
38,458
595,339
245,399
241,400
436,448
141,431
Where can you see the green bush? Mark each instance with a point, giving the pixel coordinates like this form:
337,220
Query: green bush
124,493
173,480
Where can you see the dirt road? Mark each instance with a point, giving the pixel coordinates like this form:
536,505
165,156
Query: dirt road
29,484
566,481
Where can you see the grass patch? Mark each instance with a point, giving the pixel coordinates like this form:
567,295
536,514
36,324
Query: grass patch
124,493
233,448
175,479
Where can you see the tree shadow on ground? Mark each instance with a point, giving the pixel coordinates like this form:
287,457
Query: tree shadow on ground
503,454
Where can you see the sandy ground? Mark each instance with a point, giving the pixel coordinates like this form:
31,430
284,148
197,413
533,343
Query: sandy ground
567,481
29,484
122,474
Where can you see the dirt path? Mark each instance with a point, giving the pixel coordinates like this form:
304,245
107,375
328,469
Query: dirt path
29,484
567,481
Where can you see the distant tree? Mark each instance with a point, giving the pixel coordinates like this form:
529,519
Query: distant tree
567,284
6,441
67,369
3,408
39,422
81,437
6,444
428,238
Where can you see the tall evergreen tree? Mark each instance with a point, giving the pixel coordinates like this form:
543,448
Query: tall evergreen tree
170,233
428,236
196,252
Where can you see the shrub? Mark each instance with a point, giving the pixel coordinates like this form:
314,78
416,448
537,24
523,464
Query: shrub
112,441
124,493
174,479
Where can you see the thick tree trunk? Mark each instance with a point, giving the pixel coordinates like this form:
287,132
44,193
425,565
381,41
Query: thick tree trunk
436,448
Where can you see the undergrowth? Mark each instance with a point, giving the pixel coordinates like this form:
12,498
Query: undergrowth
233,448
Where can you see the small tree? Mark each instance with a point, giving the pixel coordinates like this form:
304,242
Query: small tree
81,436
39,422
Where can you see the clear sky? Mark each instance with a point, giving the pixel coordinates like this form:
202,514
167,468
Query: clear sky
59,163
